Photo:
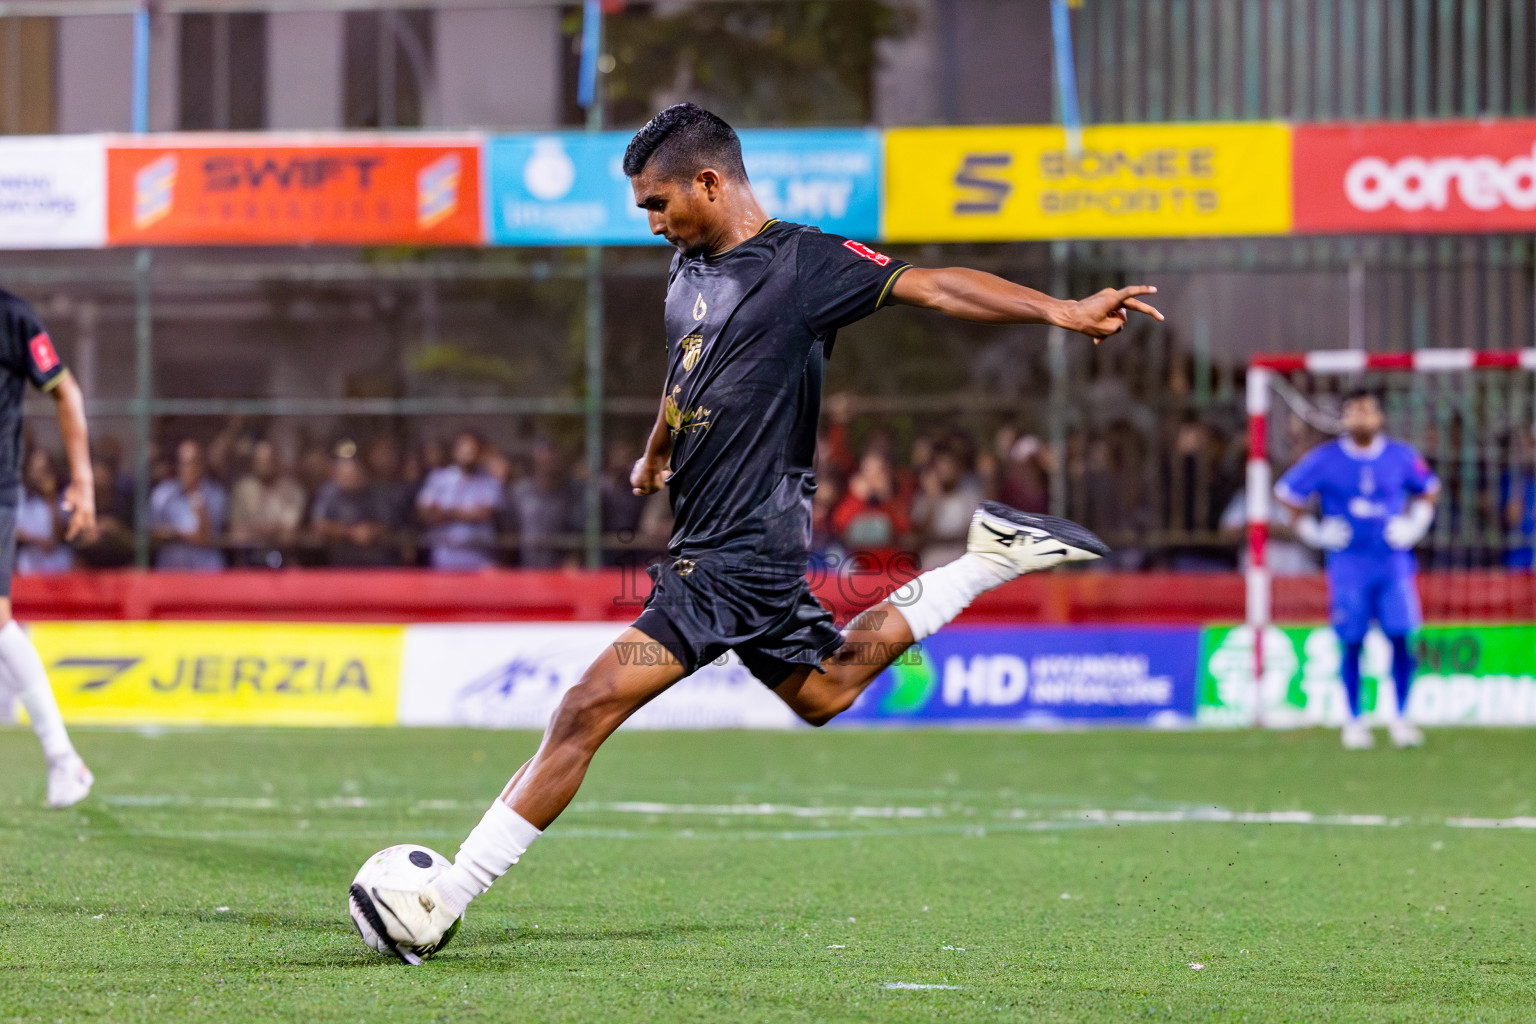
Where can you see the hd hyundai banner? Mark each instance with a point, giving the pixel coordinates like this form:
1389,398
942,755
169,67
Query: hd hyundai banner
569,188
277,190
1037,676
1422,176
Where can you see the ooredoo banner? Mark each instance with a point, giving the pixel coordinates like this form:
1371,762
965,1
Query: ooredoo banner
222,673
53,192
1037,676
1146,180
1452,176
272,190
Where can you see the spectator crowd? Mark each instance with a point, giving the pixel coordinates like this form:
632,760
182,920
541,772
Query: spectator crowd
1166,498
238,502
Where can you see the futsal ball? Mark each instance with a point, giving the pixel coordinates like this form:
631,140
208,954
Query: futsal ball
403,867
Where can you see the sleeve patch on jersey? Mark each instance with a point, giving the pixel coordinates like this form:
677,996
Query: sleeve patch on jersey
860,249
43,355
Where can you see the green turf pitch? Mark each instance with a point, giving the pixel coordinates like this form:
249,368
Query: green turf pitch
787,877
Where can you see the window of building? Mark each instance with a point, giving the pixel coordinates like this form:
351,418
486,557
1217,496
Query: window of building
223,70
26,76
388,68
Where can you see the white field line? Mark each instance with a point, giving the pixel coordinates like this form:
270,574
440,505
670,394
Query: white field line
962,818
914,986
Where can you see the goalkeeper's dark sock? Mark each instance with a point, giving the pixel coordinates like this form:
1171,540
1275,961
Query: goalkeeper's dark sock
1350,670
1402,672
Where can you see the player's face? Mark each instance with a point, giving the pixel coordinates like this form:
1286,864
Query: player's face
1362,420
684,213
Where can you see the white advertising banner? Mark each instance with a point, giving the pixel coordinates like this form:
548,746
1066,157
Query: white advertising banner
513,676
53,192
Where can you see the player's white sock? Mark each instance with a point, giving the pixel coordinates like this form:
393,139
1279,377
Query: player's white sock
492,848
21,660
944,592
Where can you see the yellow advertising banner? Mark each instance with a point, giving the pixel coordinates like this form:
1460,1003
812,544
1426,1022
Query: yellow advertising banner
209,673
1129,181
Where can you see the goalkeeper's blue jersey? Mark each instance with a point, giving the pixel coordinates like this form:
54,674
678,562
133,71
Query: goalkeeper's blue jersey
1366,486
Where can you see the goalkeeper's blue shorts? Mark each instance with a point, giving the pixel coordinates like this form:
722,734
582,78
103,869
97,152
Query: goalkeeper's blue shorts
1366,588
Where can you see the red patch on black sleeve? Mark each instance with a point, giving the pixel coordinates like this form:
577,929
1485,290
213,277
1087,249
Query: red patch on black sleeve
860,249
43,355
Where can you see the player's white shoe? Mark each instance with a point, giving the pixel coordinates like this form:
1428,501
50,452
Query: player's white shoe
69,782
415,920
1357,736
1405,734
1020,542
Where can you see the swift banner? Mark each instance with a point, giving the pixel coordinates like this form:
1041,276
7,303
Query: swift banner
184,673
53,193
1148,180
569,188
271,190
1467,675
1032,676
1416,177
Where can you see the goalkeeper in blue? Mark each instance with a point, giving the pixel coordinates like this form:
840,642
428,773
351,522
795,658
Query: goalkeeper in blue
1375,500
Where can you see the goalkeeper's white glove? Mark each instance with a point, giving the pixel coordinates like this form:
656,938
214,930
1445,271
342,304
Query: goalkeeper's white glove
1404,531
1331,534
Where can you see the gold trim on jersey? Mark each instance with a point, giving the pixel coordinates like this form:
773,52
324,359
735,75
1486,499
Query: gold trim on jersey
885,292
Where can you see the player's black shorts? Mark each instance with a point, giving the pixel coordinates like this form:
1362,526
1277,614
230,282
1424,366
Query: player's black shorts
7,544
701,608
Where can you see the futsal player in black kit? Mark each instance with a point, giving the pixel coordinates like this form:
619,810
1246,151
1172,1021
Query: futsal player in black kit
752,311
27,355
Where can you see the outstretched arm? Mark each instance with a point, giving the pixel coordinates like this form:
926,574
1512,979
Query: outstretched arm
80,495
984,298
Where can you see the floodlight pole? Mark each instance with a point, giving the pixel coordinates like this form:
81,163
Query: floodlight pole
591,93
143,314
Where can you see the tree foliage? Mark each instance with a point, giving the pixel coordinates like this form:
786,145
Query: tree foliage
768,63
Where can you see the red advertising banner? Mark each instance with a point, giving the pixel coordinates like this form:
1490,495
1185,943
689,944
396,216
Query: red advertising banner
277,191
1442,176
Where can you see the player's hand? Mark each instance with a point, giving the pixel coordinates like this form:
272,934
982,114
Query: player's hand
1104,313
1333,533
1403,532
80,503
649,475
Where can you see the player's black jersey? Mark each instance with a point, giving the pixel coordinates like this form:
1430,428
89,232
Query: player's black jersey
26,354
748,332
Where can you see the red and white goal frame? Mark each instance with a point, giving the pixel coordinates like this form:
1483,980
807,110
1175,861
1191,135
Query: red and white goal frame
1262,370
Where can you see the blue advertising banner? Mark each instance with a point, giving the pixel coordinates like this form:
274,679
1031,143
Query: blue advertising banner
568,188
1038,676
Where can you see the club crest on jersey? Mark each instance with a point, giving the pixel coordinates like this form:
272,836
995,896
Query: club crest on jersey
860,249
699,308
692,346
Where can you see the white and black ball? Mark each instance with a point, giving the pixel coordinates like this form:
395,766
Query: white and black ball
404,867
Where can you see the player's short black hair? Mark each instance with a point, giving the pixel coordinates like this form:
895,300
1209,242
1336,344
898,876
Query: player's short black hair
683,140
1359,395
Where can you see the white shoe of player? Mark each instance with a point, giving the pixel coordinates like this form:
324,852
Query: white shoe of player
69,782
1357,736
415,920
1020,542
1405,734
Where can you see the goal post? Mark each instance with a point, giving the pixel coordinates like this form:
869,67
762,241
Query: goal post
1471,413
